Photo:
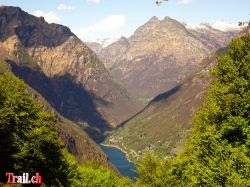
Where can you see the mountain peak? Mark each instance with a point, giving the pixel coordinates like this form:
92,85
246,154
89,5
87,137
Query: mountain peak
170,21
124,39
11,12
30,29
167,18
10,8
153,19
173,25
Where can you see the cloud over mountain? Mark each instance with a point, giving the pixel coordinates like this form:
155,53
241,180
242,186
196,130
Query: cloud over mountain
109,24
50,16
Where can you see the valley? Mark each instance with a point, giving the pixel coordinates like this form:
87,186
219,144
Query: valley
142,81
170,84
112,103
65,71
164,124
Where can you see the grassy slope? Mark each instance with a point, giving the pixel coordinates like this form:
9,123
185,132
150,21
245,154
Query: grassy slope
164,124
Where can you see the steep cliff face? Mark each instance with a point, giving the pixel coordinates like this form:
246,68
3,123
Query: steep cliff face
160,54
76,141
52,60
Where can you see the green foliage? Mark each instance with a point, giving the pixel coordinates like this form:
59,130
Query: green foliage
3,67
93,174
217,152
155,172
30,143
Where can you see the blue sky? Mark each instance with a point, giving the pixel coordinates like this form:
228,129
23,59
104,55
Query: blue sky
91,19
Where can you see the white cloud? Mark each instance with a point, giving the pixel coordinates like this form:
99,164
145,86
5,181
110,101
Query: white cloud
184,1
109,25
65,7
50,17
94,1
222,25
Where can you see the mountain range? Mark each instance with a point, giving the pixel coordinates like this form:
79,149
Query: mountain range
140,91
164,124
150,66
147,63
53,61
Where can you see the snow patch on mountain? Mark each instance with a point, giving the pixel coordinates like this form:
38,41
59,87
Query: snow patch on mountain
219,25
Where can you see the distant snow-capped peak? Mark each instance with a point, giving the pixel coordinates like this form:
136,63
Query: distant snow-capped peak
219,25
223,26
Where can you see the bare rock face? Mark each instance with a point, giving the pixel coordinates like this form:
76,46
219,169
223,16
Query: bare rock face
52,60
160,54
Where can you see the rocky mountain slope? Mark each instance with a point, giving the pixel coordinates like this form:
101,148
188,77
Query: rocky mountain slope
164,123
211,37
160,54
95,46
53,61
77,142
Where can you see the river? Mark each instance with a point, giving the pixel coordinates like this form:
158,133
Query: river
119,160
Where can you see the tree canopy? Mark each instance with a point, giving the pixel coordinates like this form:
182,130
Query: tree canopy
217,153
30,143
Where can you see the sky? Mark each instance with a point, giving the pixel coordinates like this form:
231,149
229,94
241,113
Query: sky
99,19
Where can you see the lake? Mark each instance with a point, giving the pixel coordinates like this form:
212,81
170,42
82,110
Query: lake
119,160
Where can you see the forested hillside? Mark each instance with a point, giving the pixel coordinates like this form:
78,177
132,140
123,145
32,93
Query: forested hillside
75,139
217,153
77,118
30,143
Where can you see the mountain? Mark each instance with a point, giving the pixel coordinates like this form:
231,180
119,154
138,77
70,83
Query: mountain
148,63
245,30
211,37
97,44
163,125
53,61
77,142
